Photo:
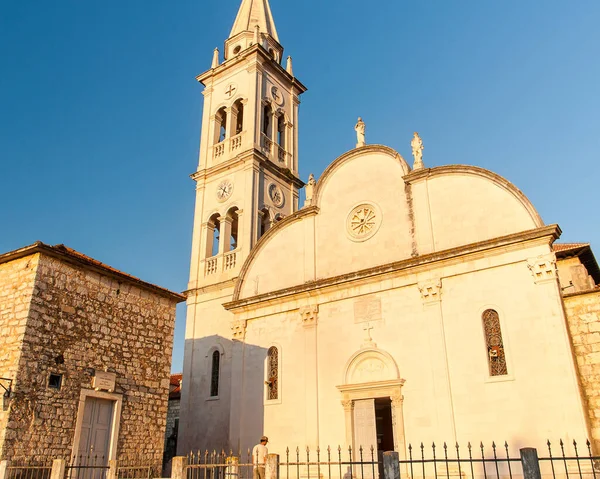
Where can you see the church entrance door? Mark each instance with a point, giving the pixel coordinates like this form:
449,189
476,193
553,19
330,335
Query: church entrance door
365,434
384,428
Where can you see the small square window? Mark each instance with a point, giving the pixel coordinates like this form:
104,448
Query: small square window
55,381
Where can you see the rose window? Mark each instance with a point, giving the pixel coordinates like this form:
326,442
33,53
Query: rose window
363,222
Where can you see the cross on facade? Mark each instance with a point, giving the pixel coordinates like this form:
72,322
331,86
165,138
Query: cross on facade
275,95
230,91
368,328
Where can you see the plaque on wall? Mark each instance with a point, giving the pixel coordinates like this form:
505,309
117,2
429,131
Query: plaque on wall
104,381
367,309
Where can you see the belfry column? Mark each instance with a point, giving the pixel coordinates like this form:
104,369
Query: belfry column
225,239
309,316
431,294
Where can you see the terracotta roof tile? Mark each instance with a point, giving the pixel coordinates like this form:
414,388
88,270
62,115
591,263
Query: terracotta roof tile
175,381
559,247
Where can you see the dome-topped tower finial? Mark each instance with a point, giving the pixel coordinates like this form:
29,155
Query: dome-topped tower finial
253,14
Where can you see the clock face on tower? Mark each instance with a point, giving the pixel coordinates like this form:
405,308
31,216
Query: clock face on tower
276,195
224,190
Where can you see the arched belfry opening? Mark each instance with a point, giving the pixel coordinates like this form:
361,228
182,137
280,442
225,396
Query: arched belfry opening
264,219
371,395
266,120
213,235
220,125
233,218
238,111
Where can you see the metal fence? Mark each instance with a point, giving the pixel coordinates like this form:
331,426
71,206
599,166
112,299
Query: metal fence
87,467
480,461
29,470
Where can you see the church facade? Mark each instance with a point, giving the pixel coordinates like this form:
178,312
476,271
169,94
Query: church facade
399,304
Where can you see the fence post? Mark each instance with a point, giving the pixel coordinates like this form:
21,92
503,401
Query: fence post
391,465
178,467
3,467
272,467
58,469
113,469
231,471
530,463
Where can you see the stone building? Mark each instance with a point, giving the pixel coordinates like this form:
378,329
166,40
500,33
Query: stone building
85,357
172,428
400,304
579,277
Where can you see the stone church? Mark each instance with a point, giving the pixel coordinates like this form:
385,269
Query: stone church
397,304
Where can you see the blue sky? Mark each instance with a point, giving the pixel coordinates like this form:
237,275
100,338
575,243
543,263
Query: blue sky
100,112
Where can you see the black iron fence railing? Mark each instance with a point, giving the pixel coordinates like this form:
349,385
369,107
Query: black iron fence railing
481,461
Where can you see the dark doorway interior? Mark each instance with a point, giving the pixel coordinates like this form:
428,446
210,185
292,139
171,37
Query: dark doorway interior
385,431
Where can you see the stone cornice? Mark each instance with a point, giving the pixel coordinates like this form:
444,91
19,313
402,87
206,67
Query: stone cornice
228,283
265,58
425,173
254,154
69,255
595,290
551,233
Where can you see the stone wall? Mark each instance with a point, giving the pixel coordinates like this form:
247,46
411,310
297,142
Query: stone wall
172,414
16,287
81,321
583,316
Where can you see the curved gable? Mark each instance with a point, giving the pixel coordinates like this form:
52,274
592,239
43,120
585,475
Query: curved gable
458,205
413,213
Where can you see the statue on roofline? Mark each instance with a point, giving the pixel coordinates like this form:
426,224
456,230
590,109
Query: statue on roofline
417,151
360,133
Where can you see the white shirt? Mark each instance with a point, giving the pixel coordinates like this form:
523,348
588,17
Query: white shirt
259,452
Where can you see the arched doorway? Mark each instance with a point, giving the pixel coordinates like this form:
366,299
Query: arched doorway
372,400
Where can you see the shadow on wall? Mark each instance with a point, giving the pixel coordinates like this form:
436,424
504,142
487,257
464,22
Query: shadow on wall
222,395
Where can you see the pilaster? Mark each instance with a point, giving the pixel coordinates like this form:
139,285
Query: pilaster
309,317
431,296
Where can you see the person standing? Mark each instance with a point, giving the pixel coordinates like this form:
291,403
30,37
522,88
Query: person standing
259,458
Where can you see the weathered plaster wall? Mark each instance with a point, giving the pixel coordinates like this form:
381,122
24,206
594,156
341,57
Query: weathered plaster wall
91,322
16,287
583,317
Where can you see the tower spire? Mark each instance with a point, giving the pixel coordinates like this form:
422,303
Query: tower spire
252,13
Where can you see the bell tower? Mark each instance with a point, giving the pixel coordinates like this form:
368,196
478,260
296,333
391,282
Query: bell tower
247,174
246,180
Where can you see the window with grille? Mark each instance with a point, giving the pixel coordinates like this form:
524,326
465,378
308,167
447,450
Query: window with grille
214,380
495,347
272,373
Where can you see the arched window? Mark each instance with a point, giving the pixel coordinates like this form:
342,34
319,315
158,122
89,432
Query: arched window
495,346
281,131
233,238
220,125
214,233
214,376
266,125
272,381
265,222
238,107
